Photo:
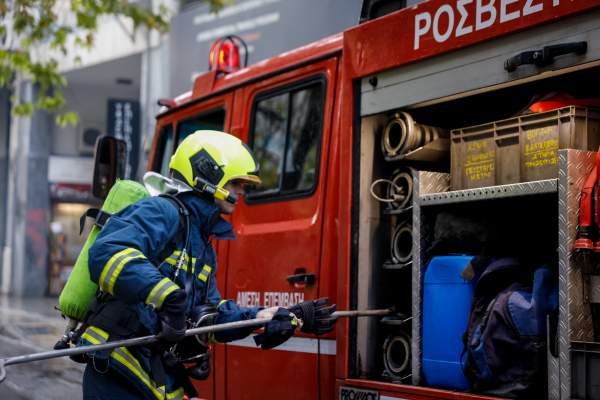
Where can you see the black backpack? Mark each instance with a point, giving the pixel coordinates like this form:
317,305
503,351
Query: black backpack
505,341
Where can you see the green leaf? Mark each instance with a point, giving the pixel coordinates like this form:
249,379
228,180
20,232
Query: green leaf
67,118
218,5
36,23
6,75
23,110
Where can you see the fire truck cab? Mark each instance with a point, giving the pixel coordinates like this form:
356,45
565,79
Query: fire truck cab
314,117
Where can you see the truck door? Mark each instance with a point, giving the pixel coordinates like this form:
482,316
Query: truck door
286,120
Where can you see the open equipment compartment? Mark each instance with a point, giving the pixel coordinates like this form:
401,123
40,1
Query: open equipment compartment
531,210
456,89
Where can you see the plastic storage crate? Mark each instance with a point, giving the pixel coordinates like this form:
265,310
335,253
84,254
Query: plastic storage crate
585,370
520,149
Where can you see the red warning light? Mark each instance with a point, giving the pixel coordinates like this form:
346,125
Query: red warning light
228,59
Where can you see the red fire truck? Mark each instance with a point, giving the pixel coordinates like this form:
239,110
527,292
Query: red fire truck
314,117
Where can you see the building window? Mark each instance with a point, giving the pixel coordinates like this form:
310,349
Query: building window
285,135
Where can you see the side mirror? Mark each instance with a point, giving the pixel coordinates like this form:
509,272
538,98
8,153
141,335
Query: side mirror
109,164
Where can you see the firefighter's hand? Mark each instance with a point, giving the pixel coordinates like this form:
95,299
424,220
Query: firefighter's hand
173,318
316,316
270,312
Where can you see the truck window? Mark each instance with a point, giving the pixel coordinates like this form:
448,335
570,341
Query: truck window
163,151
212,120
285,135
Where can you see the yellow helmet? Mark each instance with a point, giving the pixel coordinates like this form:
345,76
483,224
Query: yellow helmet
216,157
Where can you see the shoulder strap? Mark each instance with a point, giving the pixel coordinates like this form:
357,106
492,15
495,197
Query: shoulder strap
499,275
100,218
176,240
173,244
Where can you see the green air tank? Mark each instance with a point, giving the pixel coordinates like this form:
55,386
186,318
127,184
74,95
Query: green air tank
80,290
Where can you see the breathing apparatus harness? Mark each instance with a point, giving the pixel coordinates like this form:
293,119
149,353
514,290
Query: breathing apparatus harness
120,320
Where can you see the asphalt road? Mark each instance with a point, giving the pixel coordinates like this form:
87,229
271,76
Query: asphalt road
31,326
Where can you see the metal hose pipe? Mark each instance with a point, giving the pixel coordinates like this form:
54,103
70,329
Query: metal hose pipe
150,340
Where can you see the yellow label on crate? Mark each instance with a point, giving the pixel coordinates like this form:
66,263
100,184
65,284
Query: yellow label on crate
479,161
541,147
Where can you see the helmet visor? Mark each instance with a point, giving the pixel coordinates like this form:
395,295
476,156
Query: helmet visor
247,179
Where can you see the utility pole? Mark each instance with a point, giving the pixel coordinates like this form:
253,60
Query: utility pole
13,256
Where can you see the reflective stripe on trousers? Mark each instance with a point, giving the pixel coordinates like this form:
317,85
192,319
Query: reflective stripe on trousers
96,335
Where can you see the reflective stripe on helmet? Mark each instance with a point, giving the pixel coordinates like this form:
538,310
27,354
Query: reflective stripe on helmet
113,268
205,273
160,292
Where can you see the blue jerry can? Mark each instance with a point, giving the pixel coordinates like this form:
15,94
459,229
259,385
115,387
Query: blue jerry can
446,306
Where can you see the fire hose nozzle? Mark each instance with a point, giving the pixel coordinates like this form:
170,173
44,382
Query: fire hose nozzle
585,244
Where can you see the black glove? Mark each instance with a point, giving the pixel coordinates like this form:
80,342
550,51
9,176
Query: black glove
173,319
278,330
316,316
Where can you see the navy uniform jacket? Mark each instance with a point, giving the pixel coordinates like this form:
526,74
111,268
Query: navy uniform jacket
120,263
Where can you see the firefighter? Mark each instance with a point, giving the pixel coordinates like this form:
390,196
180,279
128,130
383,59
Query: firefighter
140,296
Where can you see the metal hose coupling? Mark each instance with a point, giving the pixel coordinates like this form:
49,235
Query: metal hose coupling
402,135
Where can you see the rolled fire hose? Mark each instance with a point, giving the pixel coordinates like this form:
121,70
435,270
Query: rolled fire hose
401,248
402,135
396,354
402,177
400,188
149,339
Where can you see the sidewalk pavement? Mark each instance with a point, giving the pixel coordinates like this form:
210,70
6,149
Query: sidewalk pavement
32,325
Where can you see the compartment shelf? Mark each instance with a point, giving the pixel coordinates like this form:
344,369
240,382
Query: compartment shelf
489,193
432,152
397,211
390,265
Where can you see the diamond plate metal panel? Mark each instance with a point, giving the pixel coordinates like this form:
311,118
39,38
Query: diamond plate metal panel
417,281
492,192
433,182
423,182
591,289
553,364
575,321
